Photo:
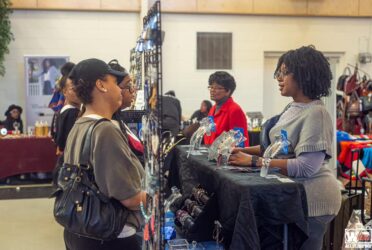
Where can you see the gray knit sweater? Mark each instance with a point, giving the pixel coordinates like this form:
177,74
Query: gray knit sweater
309,129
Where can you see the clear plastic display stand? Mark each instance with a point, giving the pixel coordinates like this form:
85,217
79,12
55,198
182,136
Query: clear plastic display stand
178,244
222,147
207,126
281,146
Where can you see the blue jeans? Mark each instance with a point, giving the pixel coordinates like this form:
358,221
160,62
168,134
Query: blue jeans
317,228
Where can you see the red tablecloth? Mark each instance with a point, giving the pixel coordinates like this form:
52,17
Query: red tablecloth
26,155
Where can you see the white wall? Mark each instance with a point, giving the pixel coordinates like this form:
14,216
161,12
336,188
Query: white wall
111,35
252,36
80,35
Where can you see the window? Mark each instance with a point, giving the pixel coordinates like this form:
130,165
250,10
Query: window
214,50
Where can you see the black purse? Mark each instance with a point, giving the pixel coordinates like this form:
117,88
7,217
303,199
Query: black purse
79,205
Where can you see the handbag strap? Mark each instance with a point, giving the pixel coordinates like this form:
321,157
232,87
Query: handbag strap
347,71
86,145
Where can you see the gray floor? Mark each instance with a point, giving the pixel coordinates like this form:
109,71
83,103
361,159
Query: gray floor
28,224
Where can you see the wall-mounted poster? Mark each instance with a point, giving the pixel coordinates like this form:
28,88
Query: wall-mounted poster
42,74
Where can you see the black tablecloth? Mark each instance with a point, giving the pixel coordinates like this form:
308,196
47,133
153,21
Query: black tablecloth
252,209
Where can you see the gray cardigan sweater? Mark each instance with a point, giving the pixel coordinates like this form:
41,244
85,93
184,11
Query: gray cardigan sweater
309,129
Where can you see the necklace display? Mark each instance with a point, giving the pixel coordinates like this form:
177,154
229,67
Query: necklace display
146,61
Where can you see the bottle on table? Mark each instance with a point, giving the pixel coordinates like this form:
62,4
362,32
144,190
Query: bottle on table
45,128
38,129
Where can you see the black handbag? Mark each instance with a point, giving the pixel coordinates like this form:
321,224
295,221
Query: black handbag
79,205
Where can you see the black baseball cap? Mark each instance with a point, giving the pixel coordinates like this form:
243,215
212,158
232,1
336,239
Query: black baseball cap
90,70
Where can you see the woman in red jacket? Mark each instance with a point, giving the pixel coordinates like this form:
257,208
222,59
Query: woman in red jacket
227,114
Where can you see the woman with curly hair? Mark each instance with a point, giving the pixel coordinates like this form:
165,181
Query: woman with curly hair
304,75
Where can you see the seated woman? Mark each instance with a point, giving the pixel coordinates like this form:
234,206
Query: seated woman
13,119
227,114
117,171
304,75
205,107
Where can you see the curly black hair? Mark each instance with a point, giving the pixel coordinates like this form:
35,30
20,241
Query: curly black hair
84,89
224,79
310,69
83,82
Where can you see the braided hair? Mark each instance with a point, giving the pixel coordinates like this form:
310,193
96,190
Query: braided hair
310,69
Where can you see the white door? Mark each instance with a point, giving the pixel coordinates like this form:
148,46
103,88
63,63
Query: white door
273,101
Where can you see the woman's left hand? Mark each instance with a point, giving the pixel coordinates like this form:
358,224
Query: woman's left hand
240,159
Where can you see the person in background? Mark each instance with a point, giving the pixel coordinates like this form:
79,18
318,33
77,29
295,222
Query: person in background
13,119
128,93
69,112
205,107
227,114
64,119
117,171
58,99
172,113
304,75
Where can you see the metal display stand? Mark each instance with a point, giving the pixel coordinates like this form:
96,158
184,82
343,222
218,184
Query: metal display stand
149,75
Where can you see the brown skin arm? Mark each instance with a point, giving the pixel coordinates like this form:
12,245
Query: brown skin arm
254,150
242,159
133,203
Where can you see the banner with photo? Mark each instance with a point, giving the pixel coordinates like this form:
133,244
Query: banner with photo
42,74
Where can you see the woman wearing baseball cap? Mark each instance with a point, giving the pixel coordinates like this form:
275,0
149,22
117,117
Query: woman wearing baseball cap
117,171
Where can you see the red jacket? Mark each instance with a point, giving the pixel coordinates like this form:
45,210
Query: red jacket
229,116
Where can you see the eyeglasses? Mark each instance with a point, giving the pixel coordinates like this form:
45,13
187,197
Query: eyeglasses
130,87
215,88
280,74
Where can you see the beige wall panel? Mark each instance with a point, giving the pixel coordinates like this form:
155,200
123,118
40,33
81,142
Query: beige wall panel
289,7
19,4
120,5
365,7
225,6
179,5
70,4
333,7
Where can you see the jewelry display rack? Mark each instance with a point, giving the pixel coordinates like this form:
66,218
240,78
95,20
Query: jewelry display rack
149,51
